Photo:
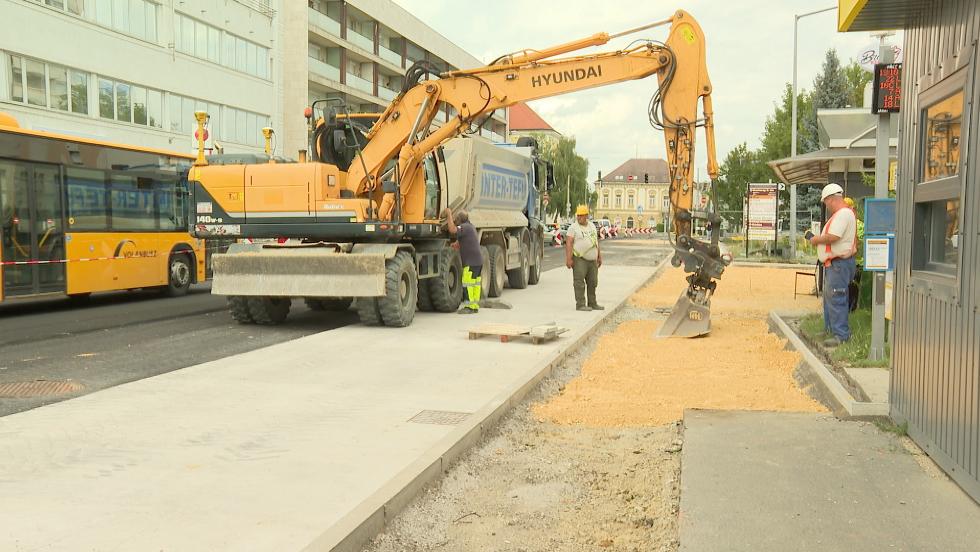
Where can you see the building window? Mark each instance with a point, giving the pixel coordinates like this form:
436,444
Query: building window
605,199
619,199
133,17
47,85
630,202
203,41
652,200
937,219
130,103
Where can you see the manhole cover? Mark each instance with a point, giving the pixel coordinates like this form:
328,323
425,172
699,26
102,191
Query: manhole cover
38,388
440,417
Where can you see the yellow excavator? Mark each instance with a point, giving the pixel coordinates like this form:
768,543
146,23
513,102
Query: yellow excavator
361,208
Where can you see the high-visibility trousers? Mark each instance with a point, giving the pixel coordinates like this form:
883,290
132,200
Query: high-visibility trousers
472,286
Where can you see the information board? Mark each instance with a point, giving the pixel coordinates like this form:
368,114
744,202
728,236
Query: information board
763,199
886,94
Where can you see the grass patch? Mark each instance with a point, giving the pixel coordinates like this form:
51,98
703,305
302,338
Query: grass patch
855,351
889,426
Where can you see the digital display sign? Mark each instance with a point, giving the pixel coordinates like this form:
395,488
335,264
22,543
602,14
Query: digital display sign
887,92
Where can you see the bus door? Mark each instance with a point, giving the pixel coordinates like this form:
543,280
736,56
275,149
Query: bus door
31,228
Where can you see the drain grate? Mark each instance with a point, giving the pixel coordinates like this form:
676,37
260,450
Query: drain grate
38,388
439,417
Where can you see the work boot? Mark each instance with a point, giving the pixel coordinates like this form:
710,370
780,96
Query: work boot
831,342
597,307
583,308
467,310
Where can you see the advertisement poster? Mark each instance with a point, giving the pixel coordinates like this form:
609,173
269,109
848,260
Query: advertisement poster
763,199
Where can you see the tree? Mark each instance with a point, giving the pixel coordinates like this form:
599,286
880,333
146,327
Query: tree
741,167
570,169
857,80
777,136
831,90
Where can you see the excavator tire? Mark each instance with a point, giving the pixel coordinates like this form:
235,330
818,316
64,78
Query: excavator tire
535,276
401,291
335,304
446,289
238,307
314,304
496,270
368,311
269,311
424,302
518,277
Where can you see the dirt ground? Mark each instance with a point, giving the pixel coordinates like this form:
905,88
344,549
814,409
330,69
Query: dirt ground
590,461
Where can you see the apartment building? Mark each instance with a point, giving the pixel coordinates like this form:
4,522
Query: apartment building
358,51
134,71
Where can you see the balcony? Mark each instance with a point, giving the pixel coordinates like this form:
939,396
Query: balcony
325,22
363,85
390,56
360,40
324,69
386,94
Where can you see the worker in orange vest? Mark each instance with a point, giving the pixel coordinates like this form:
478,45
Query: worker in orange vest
835,249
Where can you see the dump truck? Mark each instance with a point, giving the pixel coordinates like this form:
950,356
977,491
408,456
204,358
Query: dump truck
365,208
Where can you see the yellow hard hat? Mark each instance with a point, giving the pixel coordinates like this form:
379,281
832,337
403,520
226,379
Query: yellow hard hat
849,202
581,210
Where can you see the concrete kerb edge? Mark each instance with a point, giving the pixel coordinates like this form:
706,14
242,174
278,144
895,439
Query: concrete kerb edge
368,519
829,381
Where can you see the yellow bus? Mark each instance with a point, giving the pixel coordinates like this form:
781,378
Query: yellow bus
79,216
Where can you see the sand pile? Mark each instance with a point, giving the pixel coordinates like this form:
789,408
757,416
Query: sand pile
633,379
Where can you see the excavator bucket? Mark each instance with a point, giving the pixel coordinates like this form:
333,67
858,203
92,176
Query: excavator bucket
687,319
298,273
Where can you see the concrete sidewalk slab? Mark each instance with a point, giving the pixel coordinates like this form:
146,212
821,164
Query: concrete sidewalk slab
292,446
765,481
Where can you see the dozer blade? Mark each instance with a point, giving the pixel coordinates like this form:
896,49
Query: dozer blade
687,319
299,273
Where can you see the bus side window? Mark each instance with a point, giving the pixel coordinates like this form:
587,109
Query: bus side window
172,204
87,204
132,204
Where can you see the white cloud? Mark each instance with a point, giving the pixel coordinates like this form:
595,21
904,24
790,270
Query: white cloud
750,58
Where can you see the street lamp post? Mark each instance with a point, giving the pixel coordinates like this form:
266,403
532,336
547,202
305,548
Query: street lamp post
792,154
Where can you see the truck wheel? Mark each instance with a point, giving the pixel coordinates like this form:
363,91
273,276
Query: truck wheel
238,307
485,275
535,276
401,291
446,290
497,272
518,277
367,311
269,311
179,275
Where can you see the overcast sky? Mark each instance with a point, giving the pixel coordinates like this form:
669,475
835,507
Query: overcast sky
749,49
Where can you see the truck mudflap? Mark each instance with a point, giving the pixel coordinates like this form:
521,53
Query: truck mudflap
324,270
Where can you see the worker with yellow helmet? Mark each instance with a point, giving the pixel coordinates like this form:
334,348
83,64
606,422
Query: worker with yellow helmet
582,255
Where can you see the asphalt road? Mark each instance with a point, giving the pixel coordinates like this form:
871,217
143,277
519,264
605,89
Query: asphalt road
115,338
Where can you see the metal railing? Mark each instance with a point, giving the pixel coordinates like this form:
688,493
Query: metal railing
358,39
357,82
390,56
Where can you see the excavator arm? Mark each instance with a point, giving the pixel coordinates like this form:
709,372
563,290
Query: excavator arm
403,130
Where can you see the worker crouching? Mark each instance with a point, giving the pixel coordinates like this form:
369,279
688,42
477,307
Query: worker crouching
469,252
582,255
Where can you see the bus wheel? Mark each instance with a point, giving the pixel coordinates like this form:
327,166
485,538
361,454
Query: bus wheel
238,307
269,310
179,275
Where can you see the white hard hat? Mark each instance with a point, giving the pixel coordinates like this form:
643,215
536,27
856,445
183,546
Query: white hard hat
829,190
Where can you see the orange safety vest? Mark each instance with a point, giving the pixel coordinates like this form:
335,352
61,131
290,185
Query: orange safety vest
826,229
